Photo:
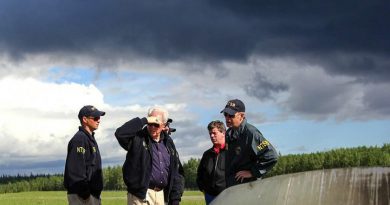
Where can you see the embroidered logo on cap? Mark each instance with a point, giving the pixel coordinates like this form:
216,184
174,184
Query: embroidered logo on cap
231,104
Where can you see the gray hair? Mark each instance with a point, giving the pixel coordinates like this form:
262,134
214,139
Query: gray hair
164,116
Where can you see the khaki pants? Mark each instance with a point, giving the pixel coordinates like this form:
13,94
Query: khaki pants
74,199
152,198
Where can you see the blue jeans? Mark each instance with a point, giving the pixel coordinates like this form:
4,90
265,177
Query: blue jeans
209,198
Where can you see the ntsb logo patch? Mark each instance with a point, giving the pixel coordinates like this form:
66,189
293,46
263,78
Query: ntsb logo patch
80,150
264,144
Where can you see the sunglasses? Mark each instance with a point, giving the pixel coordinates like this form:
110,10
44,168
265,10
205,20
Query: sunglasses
94,118
229,116
154,125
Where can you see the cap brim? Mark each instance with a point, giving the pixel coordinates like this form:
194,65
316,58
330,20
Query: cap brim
229,111
97,113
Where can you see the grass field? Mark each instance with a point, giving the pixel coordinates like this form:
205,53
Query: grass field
59,198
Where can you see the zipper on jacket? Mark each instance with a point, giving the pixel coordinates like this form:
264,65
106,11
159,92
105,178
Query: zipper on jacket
215,169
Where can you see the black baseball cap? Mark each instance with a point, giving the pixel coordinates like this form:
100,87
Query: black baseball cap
233,106
90,111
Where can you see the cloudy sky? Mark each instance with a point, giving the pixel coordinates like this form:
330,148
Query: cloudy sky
314,75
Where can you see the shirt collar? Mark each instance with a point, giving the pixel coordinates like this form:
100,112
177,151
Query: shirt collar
217,149
87,133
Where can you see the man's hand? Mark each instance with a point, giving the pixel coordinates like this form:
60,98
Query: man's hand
241,175
165,128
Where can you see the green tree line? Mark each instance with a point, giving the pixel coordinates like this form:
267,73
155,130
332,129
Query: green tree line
337,158
112,177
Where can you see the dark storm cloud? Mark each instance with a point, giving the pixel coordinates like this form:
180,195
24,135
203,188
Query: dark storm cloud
262,88
162,30
378,99
346,37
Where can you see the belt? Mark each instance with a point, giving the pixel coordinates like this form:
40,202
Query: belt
156,188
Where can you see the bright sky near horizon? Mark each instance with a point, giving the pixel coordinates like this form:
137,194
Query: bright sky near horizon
313,77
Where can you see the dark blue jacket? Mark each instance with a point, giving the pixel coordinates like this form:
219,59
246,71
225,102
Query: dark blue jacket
247,149
135,139
83,168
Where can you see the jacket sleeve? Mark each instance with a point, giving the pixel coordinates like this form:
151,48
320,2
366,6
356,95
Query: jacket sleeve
265,153
76,167
178,180
199,174
128,130
178,184
177,187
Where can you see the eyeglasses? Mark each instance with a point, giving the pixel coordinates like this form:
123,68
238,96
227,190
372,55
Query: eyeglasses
154,125
229,116
94,118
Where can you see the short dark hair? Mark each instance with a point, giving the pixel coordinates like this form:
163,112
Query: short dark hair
216,124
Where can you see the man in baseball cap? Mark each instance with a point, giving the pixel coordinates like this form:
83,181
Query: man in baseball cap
83,178
249,155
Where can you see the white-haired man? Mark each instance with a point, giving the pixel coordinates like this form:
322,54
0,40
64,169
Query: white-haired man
151,170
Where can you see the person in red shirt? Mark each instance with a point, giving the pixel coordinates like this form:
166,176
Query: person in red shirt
211,169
